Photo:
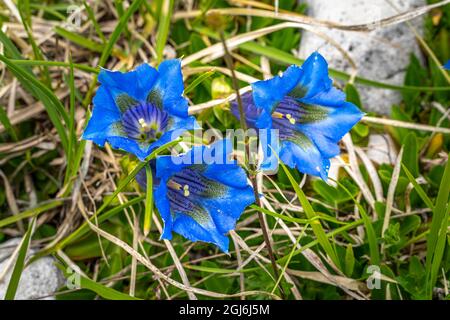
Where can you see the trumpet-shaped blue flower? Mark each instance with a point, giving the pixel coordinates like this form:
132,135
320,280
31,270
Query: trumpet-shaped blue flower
201,201
140,110
310,114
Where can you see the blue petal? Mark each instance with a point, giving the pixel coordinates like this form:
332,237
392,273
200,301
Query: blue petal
169,88
163,205
130,145
306,158
270,143
104,115
193,231
315,77
326,133
267,94
136,83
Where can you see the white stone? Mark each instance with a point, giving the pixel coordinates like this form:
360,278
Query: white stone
381,55
40,279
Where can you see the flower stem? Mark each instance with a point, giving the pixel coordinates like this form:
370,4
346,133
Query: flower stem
243,122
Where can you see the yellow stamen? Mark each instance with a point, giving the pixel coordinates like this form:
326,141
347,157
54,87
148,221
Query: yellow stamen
186,190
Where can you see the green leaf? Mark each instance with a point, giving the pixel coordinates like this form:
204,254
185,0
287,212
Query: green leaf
31,212
371,235
418,188
198,81
349,260
79,39
20,263
410,154
415,76
103,291
438,231
7,124
148,201
165,17
352,95
108,48
316,225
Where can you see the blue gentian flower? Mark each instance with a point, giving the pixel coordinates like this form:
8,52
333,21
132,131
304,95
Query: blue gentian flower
310,114
447,65
201,200
140,110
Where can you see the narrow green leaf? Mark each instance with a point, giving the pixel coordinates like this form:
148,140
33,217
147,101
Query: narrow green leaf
103,291
148,201
84,228
118,31
371,235
7,124
108,48
72,135
349,260
331,234
437,236
78,66
79,39
91,17
198,81
20,263
316,225
165,17
30,212
418,188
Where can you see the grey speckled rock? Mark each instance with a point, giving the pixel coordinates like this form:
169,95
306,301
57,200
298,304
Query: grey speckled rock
40,279
381,55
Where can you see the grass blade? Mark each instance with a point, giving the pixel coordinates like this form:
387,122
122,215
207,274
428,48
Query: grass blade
437,236
371,235
20,263
102,291
148,201
163,28
418,188
198,81
110,44
31,212
4,120
316,225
